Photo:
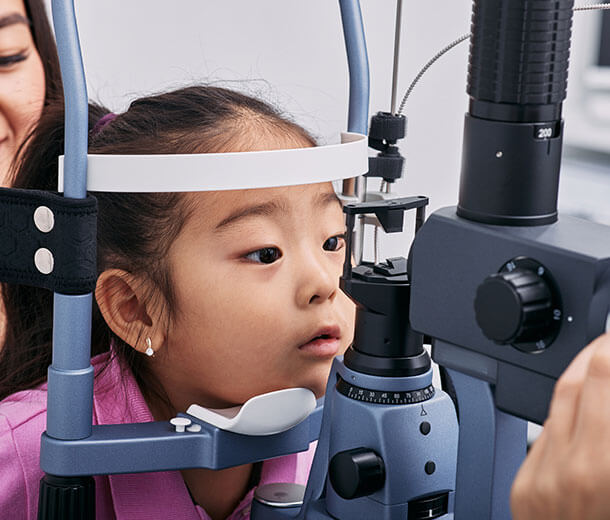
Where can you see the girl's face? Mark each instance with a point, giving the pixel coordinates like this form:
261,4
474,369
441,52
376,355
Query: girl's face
258,306
22,83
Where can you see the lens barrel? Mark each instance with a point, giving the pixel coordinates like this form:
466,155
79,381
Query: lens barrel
517,80
519,54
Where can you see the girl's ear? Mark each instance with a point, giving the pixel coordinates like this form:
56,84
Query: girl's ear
121,298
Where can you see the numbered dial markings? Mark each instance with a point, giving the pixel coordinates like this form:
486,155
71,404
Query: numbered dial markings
382,397
555,316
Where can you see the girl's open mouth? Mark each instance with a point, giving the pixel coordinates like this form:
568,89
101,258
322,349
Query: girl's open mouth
325,343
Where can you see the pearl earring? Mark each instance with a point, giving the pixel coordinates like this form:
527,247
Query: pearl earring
149,350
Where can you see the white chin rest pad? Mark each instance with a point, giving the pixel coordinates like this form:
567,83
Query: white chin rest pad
264,414
226,171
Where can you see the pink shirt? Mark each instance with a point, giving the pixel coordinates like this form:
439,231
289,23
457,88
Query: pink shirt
117,399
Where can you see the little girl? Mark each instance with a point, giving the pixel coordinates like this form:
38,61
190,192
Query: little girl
233,293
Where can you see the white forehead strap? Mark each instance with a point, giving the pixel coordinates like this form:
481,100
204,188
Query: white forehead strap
226,171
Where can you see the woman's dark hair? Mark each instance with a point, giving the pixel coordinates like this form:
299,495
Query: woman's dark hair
47,50
134,229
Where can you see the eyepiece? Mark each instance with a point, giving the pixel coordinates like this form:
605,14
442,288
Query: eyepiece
519,53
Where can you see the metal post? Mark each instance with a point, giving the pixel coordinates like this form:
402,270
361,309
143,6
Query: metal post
359,87
71,374
396,55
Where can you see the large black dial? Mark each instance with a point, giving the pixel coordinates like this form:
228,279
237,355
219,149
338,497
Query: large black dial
519,305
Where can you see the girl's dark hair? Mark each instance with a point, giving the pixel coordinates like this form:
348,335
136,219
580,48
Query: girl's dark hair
134,229
47,50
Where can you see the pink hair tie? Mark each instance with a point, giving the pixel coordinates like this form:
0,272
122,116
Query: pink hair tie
103,121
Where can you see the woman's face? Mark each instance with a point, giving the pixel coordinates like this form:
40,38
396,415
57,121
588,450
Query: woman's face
22,83
258,306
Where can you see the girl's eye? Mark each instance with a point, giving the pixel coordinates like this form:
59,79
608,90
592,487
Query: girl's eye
266,255
6,61
334,243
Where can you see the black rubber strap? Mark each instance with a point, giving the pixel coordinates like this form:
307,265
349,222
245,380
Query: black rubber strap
71,241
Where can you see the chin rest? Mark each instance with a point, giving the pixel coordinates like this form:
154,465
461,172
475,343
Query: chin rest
265,414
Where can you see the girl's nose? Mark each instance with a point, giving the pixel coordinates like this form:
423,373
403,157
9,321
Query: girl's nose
318,281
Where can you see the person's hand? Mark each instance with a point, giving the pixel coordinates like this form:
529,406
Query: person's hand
566,475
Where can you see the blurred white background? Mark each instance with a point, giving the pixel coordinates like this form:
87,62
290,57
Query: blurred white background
291,53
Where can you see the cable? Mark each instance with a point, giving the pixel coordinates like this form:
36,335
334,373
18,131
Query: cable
592,7
465,37
431,62
427,66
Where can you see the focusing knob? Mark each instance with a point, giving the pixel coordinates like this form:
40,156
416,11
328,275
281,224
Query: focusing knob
356,473
519,306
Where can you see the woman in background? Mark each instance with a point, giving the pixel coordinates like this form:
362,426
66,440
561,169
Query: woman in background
29,74
29,79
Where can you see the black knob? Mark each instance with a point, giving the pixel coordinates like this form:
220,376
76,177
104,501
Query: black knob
66,498
356,473
515,307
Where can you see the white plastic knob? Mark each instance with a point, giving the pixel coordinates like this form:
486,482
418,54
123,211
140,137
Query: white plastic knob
180,423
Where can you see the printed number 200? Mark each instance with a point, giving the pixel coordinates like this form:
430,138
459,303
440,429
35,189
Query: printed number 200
545,133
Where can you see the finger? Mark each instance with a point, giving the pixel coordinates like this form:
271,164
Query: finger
527,496
560,421
537,478
566,396
536,491
593,416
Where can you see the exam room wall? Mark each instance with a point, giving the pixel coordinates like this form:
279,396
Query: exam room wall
297,47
